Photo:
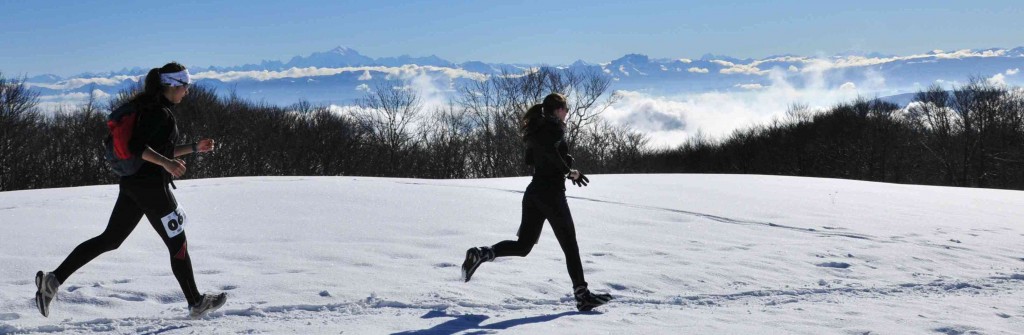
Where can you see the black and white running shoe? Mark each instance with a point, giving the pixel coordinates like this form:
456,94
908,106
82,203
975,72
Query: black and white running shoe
46,290
587,301
474,257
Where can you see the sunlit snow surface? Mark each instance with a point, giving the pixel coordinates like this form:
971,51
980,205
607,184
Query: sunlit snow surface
683,254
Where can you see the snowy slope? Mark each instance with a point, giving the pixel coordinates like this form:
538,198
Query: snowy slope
684,254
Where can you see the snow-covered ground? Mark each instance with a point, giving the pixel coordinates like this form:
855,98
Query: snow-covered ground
683,254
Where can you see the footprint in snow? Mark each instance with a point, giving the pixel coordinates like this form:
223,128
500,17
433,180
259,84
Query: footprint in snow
617,287
836,265
960,330
128,297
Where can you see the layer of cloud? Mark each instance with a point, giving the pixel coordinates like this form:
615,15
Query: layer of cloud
732,68
399,72
99,95
861,61
670,120
70,101
697,70
999,79
813,64
76,83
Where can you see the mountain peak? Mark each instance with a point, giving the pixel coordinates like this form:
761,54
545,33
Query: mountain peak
710,57
633,58
337,57
862,53
579,63
343,50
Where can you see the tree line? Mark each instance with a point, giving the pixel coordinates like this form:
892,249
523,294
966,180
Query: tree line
972,136
391,132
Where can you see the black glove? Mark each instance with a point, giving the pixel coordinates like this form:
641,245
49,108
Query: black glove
580,181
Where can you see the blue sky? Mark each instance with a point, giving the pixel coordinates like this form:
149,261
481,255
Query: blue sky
70,37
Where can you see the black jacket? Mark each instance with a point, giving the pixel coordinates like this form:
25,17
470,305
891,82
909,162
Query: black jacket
548,152
155,128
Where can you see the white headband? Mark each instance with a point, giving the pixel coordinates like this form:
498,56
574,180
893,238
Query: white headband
176,79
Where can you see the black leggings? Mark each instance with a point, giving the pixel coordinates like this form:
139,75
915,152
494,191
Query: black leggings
538,206
156,202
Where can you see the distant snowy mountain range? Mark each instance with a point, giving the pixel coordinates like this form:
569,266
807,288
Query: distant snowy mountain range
342,74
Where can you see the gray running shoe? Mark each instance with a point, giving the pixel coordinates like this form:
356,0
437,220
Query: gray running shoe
209,303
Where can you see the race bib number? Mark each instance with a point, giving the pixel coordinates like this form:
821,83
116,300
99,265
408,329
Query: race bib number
174,223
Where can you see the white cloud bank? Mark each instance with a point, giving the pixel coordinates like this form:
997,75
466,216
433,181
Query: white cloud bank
999,79
400,72
70,101
750,86
671,120
732,68
366,76
76,83
819,64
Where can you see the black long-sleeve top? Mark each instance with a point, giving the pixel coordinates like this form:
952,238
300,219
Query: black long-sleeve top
548,152
155,128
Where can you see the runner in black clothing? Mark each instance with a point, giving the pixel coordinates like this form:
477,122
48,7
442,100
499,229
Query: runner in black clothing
544,133
146,193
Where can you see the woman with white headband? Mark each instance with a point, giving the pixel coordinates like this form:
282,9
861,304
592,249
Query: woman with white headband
145,192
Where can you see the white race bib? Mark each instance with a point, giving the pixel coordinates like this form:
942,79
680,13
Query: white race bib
174,223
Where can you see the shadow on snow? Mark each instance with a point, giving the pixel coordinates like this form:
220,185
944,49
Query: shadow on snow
461,323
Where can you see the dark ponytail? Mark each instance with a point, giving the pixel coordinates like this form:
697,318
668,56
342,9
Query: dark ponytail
152,88
533,117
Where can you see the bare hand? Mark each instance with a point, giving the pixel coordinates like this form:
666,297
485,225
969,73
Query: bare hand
574,174
206,145
175,167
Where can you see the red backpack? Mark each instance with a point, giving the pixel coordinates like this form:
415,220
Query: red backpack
122,123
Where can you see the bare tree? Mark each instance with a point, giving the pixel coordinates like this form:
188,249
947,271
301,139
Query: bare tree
388,112
933,121
19,118
494,108
587,92
447,143
976,106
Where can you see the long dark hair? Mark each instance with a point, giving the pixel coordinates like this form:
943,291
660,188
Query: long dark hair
535,115
152,87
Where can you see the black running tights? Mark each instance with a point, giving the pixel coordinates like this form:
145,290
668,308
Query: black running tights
137,199
552,206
